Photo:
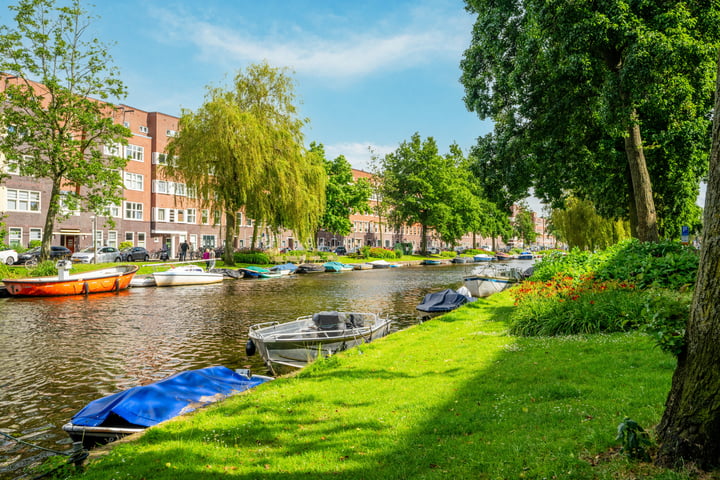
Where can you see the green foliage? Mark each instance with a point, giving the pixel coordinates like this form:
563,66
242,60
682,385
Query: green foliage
378,252
34,243
667,314
343,196
256,258
125,244
243,150
47,44
43,269
635,440
562,81
579,225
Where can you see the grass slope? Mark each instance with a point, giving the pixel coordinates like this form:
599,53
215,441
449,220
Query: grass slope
455,397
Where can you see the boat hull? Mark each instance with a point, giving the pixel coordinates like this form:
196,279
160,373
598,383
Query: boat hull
481,286
289,346
98,281
187,275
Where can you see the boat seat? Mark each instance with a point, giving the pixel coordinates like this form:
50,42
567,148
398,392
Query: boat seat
355,320
329,320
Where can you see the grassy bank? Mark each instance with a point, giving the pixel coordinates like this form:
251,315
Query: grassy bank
455,397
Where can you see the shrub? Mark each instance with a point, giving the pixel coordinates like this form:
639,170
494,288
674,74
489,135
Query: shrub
378,252
256,258
668,313
43,269
125,244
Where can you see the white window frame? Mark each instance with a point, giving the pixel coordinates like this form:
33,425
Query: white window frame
16,198
135,152
130,237
141,239
133,181
15,236
191,216
114,149
205,216
159,158
112,238
34,234
144,129
133,210
160,186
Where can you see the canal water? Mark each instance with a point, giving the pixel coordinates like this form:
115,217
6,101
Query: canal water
57,354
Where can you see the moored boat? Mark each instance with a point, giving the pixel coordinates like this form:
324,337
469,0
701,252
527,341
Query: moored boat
525,256
361,266
461,260
383,264
292,345
502,256
260,272
131,411
492,279
310,268
438,303
186,275
285,268
483,257
336,267
429,261
64,283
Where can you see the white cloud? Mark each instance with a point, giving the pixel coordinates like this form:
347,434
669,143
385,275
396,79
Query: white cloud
358,154
423,40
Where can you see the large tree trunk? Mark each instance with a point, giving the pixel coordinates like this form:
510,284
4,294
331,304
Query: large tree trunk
228,254
647,230
690,428
53,209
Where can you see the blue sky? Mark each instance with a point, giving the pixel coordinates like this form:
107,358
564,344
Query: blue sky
367,74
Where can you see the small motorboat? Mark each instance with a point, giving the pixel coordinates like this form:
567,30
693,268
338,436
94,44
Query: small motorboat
310,268
503,256
142,281
131,411
461,260
292,345
64,283
337,267
492,278
260,272
383,264
483,257
186,275
438,303
525,256
285,268
361,266
429,261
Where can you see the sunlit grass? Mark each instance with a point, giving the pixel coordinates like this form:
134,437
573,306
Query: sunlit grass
454,397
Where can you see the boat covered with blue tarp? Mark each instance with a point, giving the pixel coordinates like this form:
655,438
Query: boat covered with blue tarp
437,303
130,411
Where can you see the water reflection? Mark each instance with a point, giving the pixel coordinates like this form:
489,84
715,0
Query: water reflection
57,354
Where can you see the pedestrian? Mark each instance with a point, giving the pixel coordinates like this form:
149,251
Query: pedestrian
206,257
183,250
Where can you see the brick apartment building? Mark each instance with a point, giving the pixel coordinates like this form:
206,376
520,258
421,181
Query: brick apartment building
157,212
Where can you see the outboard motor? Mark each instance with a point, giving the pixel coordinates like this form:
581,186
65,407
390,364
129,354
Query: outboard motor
250,348
63,268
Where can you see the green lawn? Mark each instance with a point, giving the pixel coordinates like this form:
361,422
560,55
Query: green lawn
455,398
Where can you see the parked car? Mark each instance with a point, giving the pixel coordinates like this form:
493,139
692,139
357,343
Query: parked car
104,255
8,257
133,254
56,253
341,250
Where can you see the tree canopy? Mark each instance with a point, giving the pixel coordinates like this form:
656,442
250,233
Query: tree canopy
55,112
580,226
243,149
421,186
608,101
343,195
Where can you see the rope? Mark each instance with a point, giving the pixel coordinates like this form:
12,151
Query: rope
77,455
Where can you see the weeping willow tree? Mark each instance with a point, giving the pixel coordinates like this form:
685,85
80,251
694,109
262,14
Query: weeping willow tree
243,149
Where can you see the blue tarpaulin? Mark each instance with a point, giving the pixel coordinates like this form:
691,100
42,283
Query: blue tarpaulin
444,301
181,393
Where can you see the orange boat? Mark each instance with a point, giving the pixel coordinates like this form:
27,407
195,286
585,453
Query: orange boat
106,280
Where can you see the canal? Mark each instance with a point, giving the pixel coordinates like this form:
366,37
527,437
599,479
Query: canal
57,354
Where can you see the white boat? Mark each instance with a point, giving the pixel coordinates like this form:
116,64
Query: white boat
291,345
186,275
383,264
492,279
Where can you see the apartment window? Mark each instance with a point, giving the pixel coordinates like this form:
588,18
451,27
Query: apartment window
143,129
98,238
112,239
170,133
130,237
135,152
141,239
160,186
113,149
159,158
180,216
133,211
193,241
23,200
112,210
180,189
216,217
14,236
205,216
68,205
160,215
35,234
191,215
208,241
133,181
126,124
